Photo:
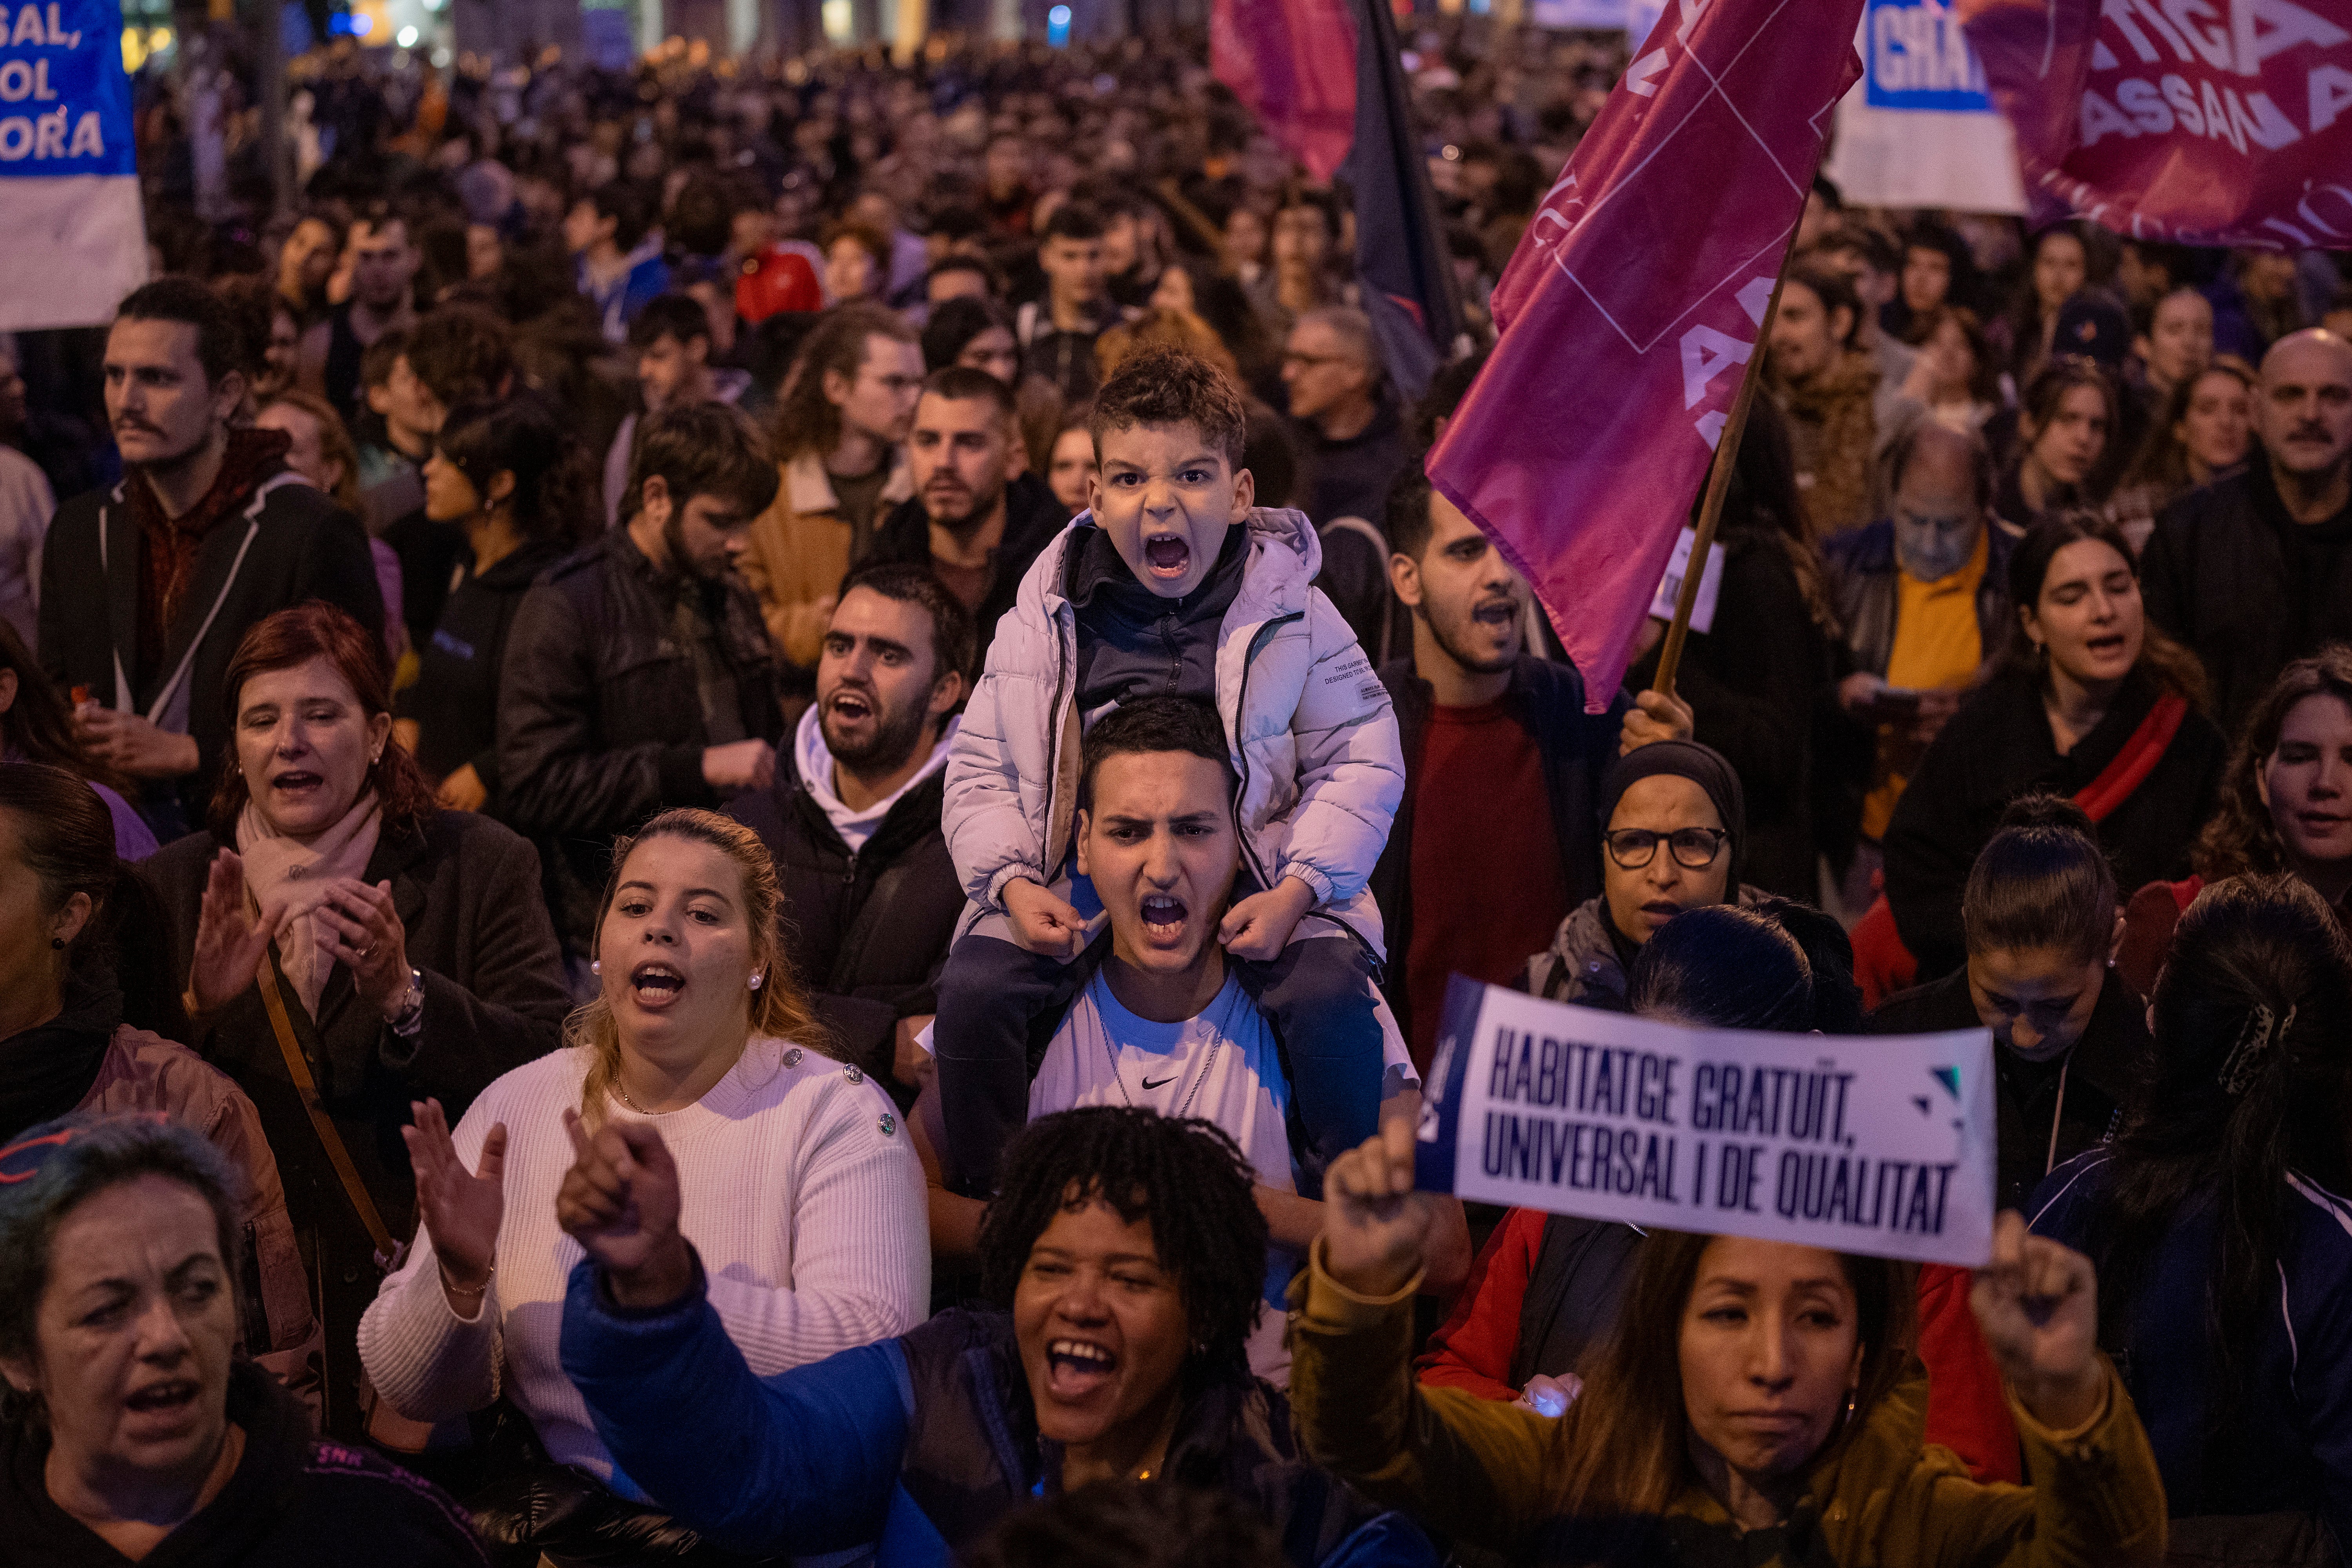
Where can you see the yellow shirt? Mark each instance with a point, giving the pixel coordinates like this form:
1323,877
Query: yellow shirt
1937,644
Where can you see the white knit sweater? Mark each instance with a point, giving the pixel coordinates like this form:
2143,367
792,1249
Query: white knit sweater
800,1192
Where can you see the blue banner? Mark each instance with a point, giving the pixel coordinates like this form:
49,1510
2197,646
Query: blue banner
1915,57
64,104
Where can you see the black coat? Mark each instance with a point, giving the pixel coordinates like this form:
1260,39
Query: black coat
2245,586
1032,518
302,547
2032,1100
467,891
1576,747
868,934
1754,681
600,717
454,700
1998,747
292,1502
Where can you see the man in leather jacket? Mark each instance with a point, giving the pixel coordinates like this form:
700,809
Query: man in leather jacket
638,675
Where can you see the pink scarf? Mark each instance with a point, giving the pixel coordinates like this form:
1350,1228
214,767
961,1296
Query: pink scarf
277,867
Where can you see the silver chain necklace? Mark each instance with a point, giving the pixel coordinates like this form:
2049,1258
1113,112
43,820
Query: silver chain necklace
1216,1045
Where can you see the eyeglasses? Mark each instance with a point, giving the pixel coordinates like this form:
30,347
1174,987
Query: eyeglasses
1694,848
1309,362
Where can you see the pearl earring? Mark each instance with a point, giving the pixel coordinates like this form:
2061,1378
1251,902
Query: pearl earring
596,966
755,979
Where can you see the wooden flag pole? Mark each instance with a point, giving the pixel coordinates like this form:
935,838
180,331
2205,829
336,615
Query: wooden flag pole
1718,482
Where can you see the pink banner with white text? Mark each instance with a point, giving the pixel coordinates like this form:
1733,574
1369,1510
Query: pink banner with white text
1633,304
2196,122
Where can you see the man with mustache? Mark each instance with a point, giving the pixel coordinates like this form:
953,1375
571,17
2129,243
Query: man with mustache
2255,570
1499,837
974,519
871,897
147,585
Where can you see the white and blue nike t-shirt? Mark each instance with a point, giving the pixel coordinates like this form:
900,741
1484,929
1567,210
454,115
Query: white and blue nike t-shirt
1221,1065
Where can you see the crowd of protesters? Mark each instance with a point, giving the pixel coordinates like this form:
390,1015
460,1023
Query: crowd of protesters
738,802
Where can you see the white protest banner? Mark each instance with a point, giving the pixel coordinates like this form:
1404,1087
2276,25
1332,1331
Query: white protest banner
1710,583
1919,130
72,241
1881,1144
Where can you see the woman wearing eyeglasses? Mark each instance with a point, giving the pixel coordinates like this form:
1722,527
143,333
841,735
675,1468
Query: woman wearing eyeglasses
1672,818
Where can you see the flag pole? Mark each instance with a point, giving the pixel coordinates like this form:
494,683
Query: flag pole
1719,483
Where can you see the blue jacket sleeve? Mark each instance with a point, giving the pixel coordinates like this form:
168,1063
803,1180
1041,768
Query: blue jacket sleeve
801,1462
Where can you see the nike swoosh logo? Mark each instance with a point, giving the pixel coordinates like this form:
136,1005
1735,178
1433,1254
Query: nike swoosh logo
1161,1083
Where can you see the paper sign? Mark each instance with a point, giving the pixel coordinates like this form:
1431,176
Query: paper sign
1670,587
72,239
1919,129
1882,1144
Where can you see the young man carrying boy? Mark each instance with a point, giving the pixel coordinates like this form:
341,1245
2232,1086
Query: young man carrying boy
1163,1021
1173,584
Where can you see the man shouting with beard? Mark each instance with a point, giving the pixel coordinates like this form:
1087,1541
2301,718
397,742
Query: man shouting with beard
1492,734
871,897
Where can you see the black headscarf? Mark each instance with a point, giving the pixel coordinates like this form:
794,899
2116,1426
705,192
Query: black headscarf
1704,766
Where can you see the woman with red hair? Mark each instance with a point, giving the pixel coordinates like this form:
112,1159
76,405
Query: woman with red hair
347,948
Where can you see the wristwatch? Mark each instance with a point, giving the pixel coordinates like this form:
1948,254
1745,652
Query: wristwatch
410,1020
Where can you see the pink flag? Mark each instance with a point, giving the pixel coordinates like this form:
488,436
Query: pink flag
1293,63
1633,305
2197,121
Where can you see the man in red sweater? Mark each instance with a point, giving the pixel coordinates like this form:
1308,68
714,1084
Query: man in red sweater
1497,837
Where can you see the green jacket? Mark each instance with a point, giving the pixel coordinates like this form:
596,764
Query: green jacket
1488,1472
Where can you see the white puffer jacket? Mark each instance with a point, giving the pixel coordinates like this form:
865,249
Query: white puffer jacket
1308,725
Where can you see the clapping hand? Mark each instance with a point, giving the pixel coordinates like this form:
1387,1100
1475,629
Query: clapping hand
460,1209
230,938
620,1201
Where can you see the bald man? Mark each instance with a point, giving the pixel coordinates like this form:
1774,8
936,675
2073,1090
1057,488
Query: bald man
2255,570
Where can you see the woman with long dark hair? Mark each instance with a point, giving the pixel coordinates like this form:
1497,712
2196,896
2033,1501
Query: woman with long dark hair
511,477
2091,701
2220,1228
2285,806
331,925
2204,432
2058,263
1758,1402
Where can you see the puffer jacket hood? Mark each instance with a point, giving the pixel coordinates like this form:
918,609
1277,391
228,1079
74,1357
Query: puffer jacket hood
1310,730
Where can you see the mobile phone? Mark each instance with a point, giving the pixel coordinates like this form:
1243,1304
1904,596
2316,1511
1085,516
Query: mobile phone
1901,699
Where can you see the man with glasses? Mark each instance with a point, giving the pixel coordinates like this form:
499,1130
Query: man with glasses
1345,426
1498,836
1923,596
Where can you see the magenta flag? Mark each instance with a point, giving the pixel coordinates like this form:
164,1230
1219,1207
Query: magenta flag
1293,63
1633,305
2197,121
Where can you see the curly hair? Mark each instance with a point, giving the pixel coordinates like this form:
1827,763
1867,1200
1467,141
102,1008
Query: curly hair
1186,1177
1170,386
2242,836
